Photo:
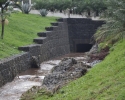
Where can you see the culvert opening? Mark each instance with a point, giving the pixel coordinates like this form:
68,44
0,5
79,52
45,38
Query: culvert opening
83,47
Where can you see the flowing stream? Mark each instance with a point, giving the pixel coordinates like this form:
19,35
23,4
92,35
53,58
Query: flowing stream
31,77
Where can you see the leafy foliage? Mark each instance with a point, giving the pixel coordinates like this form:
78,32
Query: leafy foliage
80,5
2,2
26,8
43,12
114,29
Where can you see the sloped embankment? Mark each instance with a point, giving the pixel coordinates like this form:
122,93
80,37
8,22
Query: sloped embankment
105,81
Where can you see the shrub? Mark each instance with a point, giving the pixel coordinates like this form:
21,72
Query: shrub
96,5
114,29
43,12
26,8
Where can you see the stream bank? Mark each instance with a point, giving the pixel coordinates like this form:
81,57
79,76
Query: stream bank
31,77
70,68
34,77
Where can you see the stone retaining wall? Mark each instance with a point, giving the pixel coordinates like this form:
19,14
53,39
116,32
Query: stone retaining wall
50,44
10,67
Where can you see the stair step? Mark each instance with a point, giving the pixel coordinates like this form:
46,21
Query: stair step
60,20
51,28
54,24
26,48
23,48
39,40
44,34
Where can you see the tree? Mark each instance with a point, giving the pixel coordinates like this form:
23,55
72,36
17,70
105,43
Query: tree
3,13
79,5
2,2
3,17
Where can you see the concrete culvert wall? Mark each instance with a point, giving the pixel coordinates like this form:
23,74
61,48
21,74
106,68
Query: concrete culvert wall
64,36
81,30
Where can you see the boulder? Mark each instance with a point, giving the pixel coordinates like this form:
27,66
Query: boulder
67,70
35,63
94,49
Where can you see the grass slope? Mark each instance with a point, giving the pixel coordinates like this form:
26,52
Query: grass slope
105,81
20,31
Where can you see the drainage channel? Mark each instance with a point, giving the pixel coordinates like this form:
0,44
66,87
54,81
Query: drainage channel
32,77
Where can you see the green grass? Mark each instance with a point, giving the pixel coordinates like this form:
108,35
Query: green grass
20,31
105,81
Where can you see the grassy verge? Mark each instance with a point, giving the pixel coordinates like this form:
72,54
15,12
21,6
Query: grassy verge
105,81
20,31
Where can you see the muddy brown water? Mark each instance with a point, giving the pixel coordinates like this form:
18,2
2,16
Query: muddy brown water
31,77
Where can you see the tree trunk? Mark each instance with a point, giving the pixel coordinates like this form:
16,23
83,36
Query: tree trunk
3,20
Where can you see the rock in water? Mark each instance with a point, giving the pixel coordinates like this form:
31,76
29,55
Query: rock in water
35,62
67,70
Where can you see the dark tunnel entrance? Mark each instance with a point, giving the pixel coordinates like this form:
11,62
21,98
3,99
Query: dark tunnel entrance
83,47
